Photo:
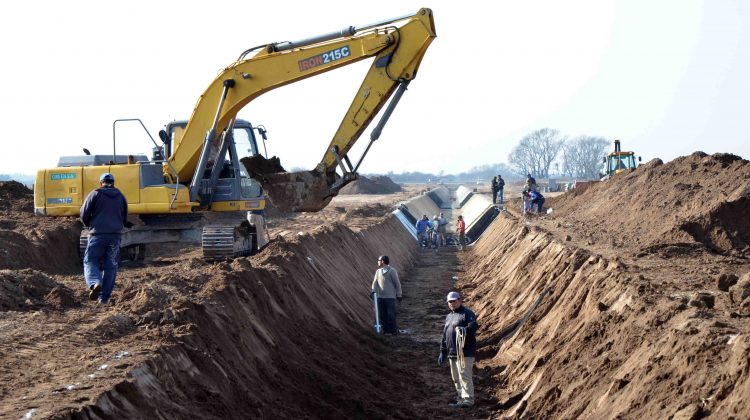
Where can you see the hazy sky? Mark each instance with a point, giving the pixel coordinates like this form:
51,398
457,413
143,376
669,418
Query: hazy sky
666,77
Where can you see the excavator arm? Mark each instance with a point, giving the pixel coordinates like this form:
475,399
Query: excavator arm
397,46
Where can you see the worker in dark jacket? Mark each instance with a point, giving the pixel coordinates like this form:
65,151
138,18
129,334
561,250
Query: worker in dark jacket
495,189
105,213
423,225
500,188
459,344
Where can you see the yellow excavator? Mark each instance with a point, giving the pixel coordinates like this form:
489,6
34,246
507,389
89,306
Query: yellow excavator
197,189
619,161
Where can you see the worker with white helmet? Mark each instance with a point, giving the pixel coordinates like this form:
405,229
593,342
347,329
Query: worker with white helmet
459,345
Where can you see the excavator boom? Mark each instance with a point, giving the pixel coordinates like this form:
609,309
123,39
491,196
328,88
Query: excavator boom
397,46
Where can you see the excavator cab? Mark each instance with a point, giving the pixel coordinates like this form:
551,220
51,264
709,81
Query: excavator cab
227,179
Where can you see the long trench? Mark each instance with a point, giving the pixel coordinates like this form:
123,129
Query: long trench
283,334
288,334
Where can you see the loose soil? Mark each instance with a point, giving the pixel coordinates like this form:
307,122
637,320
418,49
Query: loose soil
643,315
374,185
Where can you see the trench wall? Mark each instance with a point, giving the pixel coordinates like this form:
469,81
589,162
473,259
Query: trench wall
285,334
602,342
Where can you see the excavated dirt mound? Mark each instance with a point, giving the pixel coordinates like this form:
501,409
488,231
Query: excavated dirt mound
24,289
26,241
374,185
14,195
377,210
568,333
693,200
629,300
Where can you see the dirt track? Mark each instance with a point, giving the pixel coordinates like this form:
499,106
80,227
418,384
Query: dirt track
631,310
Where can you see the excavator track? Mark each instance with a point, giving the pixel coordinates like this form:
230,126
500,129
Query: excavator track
223,242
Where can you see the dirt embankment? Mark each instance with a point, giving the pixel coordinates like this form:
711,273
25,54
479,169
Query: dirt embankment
697,200
612,308
603,339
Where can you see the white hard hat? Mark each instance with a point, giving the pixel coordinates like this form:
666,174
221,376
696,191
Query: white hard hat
452,296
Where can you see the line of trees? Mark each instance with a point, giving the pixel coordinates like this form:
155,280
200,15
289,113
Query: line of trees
578,157
482,172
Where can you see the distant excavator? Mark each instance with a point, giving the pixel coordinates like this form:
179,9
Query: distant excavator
196,175
619,161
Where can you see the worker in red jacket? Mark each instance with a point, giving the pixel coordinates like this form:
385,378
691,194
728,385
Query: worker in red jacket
461,230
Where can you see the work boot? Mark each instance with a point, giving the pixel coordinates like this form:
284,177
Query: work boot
102,302
460,404
95,290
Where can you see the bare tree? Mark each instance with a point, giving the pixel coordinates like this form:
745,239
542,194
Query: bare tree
521,159
536,152
582,156
568,158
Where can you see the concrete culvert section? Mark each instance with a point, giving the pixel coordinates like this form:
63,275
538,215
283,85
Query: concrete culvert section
478,212
463,194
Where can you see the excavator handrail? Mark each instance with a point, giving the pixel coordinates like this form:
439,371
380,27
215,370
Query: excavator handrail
160,149
348,31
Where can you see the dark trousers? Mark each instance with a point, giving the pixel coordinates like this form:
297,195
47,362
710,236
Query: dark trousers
494,196
387,311
100,262
539,203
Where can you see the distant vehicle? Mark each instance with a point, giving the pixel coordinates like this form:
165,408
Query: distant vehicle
619,161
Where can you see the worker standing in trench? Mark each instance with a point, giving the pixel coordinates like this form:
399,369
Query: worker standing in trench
459,344
388,288
461,230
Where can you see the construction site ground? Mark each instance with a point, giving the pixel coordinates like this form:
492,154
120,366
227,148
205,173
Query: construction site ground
630,299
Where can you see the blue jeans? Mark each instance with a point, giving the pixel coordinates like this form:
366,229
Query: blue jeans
387,311
100,262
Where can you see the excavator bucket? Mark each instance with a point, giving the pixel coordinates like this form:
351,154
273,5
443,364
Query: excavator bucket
289,191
